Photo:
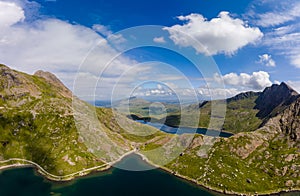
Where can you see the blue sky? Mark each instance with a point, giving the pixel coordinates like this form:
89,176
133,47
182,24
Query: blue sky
248,44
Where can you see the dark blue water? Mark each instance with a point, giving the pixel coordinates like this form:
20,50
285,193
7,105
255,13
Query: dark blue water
181,130
114,182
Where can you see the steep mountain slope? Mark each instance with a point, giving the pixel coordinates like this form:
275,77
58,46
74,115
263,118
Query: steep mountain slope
37,124
264,161
288,121
275,99
253,109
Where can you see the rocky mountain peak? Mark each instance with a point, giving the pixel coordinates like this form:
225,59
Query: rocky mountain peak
290,120
8,77
275,99
285,86
52,79
244,95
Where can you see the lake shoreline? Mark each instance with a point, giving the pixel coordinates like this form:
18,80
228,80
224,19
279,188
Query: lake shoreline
212,189
220,133
144,158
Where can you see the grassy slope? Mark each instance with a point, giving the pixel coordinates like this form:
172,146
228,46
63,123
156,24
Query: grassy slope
145,109
240,116
267,169
42,128
261,161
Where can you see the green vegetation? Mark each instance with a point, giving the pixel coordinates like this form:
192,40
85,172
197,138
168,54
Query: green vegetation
37,123
240,116
272,167
142,109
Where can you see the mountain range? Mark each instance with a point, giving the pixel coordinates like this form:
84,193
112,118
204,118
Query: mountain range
43,124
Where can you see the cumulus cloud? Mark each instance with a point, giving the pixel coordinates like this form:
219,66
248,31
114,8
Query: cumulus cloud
256,81
267,60
234,84
10,13
223,34
159,91
221,93
59,47
54,44
160,40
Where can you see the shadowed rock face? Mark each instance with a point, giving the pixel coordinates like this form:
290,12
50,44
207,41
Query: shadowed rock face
290,121
275,99
241,96
245,95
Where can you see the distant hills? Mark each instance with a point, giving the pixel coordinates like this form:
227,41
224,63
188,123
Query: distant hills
245,112
39,120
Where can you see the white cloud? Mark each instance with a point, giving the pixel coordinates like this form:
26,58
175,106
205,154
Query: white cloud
223,34
276,82
285,41
287,11
256,81
295,60
273,19
221,93
51,44
108,34
160,40
160,91
280,31
102,29
295,85
267,60
235,84
10,13
159,86
60,47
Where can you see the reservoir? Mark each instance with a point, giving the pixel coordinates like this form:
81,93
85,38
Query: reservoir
181,130
113,182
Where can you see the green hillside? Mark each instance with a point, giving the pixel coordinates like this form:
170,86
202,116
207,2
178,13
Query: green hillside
42,124
37,124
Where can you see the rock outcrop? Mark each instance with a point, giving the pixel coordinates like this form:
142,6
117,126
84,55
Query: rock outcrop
53,80
244,95
274,100
289,121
